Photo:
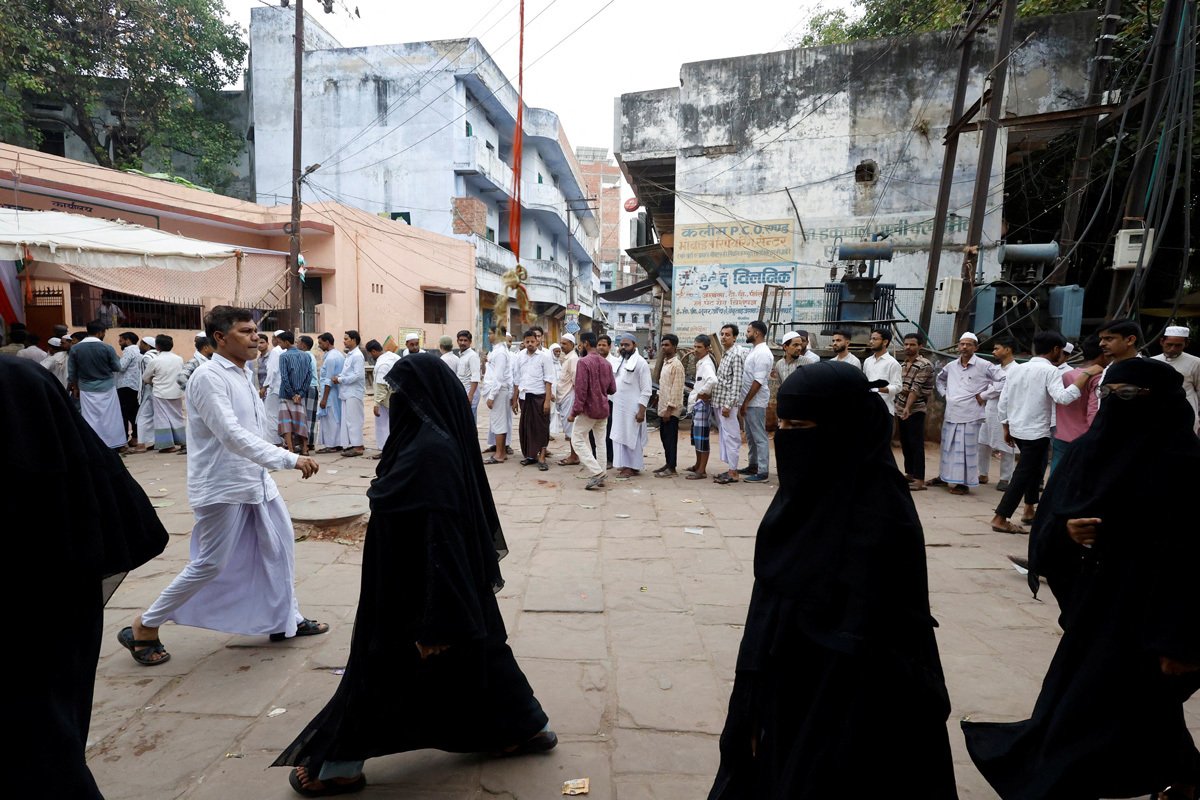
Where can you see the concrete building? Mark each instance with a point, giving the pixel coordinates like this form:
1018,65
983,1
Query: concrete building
380,277
423,132
755,168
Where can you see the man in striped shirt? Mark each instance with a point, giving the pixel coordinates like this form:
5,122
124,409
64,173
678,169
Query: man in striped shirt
727,399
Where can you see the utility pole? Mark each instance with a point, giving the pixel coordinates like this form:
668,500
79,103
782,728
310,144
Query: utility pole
295,301
990,126
966,48
1081,169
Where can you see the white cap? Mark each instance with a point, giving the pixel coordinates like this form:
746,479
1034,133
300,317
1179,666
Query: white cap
556,346
787,337
1176,330
1068,348
413,337
148,340
201,335
566,337
67,339
969,335
279,333
54,341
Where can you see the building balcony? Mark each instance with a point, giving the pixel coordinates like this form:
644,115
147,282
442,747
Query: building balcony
472,157
549,281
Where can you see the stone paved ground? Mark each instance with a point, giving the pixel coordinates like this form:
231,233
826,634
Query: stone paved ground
626,624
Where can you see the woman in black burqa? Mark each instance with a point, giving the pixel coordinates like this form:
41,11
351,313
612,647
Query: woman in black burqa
1109,719
89,523
838,676
429,665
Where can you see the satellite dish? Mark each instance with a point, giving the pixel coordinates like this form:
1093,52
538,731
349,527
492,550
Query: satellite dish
633,204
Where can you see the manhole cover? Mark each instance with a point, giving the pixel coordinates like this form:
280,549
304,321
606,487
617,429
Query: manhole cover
329,509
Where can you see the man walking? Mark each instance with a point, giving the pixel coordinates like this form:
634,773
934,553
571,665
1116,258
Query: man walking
634,386
604,349
1027,402
594,383
670,403
881,365
351,382
839,343
755,373
90,368
497,393
916,384
564,394
240,577
991,433
295,373
384,361
468,371
962,382
726,400
330,405
1174,340
534,381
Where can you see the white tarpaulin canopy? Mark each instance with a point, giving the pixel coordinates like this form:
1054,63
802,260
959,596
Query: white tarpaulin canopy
72,240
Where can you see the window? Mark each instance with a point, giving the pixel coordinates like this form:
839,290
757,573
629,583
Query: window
491,147
539,177
620,317
490,235
539,251
469,131
866,172
404,215
53,142
633,317
435,308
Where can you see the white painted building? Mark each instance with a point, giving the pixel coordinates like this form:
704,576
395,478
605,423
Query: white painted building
423,132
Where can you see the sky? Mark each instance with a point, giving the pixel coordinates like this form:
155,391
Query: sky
601,48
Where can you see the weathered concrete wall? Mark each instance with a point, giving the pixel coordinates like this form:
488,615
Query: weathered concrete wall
742,129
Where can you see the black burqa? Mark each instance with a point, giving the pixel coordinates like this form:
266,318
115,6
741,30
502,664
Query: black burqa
430,573
1108,722
86,523
838,677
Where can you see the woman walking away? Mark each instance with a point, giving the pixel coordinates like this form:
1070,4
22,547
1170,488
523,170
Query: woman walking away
838,678
429,662
699,400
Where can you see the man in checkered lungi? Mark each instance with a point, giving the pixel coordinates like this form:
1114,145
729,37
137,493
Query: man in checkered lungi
700,401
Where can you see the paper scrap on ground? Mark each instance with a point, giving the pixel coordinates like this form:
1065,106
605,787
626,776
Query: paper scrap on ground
622,516
577,786
275,712
694,531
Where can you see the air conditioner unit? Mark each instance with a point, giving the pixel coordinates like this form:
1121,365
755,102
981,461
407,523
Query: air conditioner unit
1129,245
949,292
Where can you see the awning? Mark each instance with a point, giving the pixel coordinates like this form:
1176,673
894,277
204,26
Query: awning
141,261
441,290
631,291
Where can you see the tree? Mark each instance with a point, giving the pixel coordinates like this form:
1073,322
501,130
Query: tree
135,76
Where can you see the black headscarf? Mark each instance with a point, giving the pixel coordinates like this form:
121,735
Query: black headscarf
431,459
842,536
1137,469
103,523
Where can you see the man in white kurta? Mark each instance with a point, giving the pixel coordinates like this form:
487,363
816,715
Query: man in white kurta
384,361
352,383
1174,339
564,393
497,387
240,576
468,371
629,432
329,402
270,393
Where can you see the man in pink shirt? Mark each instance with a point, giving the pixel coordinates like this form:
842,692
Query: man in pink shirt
594,382
1074,419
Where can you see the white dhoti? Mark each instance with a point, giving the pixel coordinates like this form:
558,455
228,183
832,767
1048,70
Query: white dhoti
382,423
271,406
330,417
730,435
169,425
625,456
241,576
145,419
351,433
500,415
102,410
960,453
565,406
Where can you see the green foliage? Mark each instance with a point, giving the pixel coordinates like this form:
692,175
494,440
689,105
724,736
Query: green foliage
135,75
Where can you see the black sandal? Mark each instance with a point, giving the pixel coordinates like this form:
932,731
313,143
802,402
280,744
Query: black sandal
492,460
328,788
309,627
142,649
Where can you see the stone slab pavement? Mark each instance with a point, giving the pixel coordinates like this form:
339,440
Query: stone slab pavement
624,608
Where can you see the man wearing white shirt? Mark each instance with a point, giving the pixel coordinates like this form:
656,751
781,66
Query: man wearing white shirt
496,391
384,361
1173,341
145,413
804,353
129,382
1026,408
634,386
446,346
270,390
532,387
468,371
756,372
839,343
351,382
241,575
963,382
604,348
881,365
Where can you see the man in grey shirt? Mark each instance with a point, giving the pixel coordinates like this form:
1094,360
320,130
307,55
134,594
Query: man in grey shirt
90,367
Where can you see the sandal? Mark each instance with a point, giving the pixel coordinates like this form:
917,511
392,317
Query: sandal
328,787
960,490
309,627
567,463
1027,520
148,648
696,476
1008,527
543,466
492,460
724,478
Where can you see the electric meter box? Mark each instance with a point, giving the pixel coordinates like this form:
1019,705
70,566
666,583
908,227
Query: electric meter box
949,292
1129,246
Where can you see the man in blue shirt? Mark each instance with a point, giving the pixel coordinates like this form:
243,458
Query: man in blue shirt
295,374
